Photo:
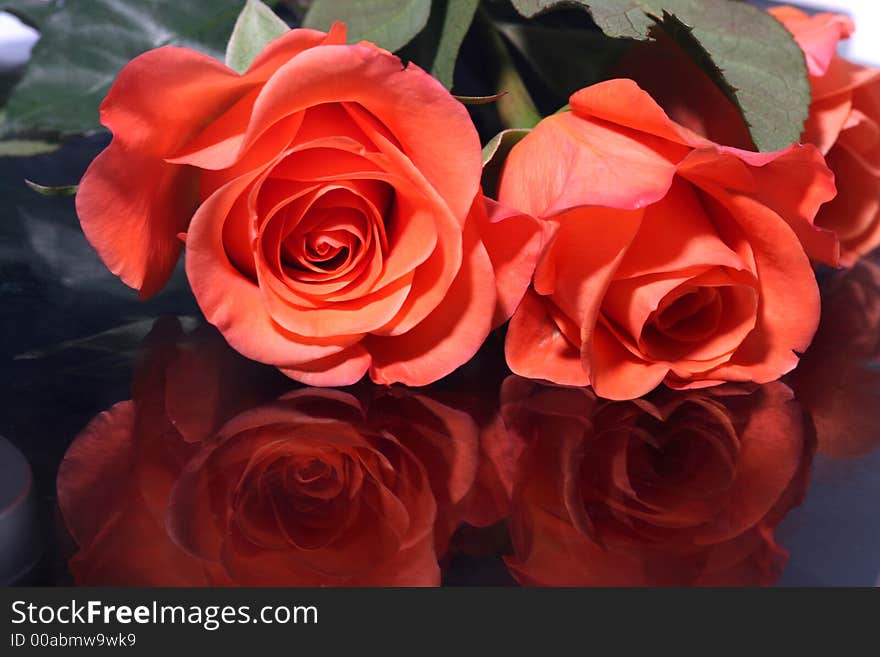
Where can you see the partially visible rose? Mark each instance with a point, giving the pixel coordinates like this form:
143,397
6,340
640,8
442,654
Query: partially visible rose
329,202
684,488
838,379
669,258
844,124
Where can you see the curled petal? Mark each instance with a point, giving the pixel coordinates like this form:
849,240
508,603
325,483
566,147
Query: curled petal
340,369
817,35
131,203
451,334
513,242
233,302
537,348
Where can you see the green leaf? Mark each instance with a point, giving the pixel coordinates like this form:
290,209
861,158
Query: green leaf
754,60
456,22
617,18
26,147
494,155
46,190
256,26
390,24
436,46
749,55
84,45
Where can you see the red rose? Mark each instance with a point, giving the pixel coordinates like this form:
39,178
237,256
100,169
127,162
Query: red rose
683,489
669,258
329,202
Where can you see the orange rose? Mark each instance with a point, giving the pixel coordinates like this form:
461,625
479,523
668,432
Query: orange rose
684,488
844,124
669,258
329,202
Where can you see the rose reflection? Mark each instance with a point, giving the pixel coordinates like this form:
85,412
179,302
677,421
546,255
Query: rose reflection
209,476
216,472
684,488
838,379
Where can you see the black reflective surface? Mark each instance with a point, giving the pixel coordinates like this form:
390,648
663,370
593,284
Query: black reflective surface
159,456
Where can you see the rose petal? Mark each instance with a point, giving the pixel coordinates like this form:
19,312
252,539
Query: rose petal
341,369
854,214
788,312
94,471
234,303
826,120
406,100
220,144
794,182
536,348
614,372
675,235
131,204
817,35
451,334
569,160
513,242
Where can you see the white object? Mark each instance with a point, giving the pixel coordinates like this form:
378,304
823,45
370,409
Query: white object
16,41
20,534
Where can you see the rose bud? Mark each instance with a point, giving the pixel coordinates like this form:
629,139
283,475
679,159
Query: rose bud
684,488
669,258
329,202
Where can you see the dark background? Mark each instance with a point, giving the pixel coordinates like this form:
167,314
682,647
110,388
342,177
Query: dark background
69,333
